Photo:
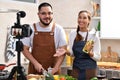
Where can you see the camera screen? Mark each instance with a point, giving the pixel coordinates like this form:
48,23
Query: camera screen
16,31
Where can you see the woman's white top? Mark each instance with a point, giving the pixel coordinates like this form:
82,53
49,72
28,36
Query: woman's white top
91,36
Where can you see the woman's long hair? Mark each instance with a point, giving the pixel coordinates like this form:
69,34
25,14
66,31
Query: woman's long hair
78,36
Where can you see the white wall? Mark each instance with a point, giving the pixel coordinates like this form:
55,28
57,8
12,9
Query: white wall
8,20
66,11
110,19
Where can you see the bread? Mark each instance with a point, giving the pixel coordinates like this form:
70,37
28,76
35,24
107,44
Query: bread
35,77
109,65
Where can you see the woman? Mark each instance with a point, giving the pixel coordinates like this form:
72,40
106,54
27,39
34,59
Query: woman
84,64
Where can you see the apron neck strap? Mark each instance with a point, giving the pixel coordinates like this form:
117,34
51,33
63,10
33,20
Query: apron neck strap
53,27
35,28
86,37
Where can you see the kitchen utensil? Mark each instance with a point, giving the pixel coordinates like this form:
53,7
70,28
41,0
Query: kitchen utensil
115,78
101,74
2,66
45,73
4,75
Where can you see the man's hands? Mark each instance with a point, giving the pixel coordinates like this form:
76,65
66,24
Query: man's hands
59,52
54,70
38,67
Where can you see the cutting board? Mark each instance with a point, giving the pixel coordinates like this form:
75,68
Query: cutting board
109,55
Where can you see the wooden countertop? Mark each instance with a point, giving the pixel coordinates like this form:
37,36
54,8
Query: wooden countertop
107,65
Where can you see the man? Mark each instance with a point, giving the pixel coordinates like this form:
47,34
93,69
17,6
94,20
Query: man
47,37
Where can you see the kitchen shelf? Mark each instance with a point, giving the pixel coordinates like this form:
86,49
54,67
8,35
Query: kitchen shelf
70,27
95,18
4,10
111,38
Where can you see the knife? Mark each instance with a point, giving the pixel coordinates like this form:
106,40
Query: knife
45,73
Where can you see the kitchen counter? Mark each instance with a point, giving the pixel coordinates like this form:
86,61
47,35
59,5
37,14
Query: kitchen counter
111,69
109,65
65,69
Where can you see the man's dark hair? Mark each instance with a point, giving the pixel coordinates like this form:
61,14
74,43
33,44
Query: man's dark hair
44,5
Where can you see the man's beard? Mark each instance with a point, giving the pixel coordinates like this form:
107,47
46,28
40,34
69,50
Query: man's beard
46,24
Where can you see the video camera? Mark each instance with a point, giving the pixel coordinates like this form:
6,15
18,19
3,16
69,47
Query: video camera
20,31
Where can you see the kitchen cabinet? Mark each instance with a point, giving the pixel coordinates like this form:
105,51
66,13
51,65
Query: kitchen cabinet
95,25
110,19
95,22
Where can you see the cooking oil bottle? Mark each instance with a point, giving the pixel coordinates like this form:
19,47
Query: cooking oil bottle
69,60
88,46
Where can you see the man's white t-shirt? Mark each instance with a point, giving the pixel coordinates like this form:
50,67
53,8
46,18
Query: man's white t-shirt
59,35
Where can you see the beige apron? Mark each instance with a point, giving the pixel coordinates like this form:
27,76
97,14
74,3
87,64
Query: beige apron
43,49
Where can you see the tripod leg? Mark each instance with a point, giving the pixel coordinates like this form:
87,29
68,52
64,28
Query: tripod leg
21,75
18,70
12,73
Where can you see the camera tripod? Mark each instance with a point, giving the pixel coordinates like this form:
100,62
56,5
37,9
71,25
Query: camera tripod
18,71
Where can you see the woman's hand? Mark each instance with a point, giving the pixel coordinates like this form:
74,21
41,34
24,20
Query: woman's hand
88,46
90,50
90,53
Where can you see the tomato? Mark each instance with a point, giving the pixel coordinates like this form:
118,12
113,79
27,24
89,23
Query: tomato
62,78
